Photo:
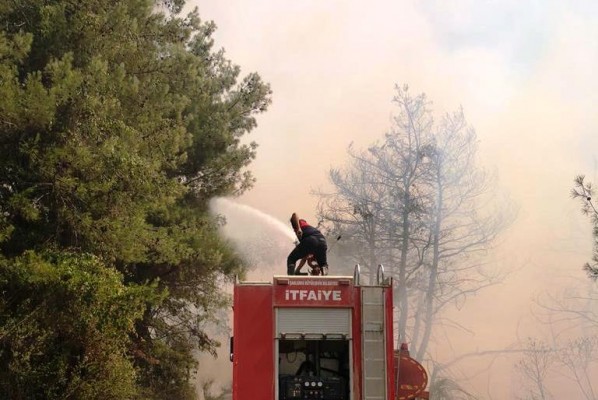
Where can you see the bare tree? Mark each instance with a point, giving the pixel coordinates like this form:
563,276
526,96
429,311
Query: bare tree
416,201
378,198
355,212
571,312
458,228
570,319
534,366
400,163
543,367
578,359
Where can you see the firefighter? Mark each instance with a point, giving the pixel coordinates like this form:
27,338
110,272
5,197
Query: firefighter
311,241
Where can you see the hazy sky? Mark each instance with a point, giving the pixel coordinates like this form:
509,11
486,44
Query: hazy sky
525,72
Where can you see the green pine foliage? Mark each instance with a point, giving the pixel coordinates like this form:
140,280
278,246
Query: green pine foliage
584,191
118,123
65,325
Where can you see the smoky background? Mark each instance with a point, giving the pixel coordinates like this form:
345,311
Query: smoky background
524,73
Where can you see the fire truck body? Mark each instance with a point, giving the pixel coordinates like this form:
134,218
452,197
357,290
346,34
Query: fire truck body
308,337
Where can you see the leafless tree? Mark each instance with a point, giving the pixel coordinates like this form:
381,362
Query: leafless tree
543,366
378,199
460,226
571,321
579,358
534,367
355,212
570,313
417,202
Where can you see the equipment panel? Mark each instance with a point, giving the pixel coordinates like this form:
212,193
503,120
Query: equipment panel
312,388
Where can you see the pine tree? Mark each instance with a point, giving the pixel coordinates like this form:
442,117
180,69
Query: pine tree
117,124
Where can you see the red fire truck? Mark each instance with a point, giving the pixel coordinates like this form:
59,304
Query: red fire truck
319,337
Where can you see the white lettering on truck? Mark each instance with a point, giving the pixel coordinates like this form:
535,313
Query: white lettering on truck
312,295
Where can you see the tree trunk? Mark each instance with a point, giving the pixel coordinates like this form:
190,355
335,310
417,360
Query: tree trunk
432,279
402,284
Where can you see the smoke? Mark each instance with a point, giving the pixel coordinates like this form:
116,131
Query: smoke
264,243
525,75
262,240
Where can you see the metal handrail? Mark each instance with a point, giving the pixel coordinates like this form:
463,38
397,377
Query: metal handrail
380,275
356,274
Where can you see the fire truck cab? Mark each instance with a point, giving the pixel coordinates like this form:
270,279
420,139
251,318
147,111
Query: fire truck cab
313,337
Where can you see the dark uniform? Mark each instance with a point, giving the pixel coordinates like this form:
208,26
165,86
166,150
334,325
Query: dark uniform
311,242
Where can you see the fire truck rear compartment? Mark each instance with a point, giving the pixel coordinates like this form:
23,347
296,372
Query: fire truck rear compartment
313,369
313,353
